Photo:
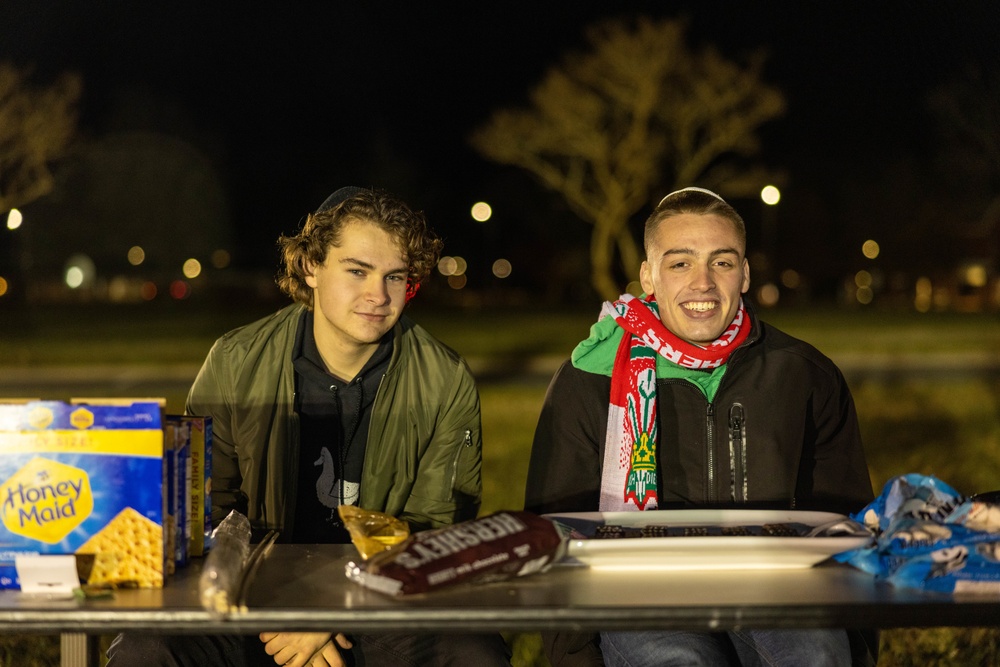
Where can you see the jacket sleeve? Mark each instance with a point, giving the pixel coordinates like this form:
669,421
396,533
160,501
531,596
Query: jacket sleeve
208,397
448,489
564,476
564,473
839,477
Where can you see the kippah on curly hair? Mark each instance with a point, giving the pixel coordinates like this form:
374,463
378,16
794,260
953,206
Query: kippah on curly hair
323,229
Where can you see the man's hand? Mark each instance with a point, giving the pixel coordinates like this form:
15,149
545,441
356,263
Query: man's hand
305,649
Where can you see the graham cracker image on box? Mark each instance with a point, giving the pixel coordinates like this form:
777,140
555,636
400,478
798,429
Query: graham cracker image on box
127,551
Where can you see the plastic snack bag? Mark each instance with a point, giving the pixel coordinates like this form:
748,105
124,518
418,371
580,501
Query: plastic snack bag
372,532
931,537
223,571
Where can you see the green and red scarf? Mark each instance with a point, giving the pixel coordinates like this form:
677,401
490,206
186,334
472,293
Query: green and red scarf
629,473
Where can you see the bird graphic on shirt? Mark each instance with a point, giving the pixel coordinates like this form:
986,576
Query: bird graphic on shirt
328,487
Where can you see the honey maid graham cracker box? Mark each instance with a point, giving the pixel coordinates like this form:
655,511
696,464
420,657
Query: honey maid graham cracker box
199,520
84,480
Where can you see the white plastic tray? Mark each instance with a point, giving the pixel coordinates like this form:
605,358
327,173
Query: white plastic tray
704,553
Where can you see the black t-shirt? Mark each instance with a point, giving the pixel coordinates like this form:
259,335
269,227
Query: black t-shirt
334,418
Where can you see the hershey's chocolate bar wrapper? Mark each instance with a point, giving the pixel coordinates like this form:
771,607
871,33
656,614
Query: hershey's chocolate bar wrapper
492,548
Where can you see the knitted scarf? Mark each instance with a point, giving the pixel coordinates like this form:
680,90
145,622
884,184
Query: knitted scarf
629,473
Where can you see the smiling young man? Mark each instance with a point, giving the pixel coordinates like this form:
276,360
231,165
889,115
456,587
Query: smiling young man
685,399
335,400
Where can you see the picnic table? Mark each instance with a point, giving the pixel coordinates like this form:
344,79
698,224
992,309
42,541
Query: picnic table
304,587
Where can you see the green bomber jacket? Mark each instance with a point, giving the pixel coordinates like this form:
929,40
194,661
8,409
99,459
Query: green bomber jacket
424,451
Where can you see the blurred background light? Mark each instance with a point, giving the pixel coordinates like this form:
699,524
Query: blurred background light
790,278
923,295
481,211
864,295
136,255
975,275
148,291
221,258
870,249
79,271
768,295
179,289
863,279
457,282
14,219
191,268
74,277
461,266
770,195
3,286
501,268
447,265
118,289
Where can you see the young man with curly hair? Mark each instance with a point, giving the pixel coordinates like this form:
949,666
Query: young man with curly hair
330,401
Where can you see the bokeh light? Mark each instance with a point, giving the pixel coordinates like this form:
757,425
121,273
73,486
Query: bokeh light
864,295
975,275
179,289
14,219
481,211
923,295
221,258
770,195
74,277
791,279
863,279
461,266
457,282
79,272
118,289
191,268
446,266
501,268
870,249
148,291
3,286
768,295
136,255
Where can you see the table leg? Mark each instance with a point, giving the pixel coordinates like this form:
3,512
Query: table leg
76,650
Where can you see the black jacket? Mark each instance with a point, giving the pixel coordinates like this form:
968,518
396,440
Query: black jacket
782,432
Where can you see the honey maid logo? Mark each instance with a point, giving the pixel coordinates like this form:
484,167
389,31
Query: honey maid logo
45,500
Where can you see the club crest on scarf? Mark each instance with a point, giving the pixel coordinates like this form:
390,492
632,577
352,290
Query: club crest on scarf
629,477
640,428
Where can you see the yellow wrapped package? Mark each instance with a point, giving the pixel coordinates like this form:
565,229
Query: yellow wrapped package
372,532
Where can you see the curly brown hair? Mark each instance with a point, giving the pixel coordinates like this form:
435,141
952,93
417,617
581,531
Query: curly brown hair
321,230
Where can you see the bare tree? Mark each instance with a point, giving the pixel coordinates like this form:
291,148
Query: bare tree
966,181
36,125
639,111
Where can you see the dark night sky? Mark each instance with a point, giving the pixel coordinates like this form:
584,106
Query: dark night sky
291,100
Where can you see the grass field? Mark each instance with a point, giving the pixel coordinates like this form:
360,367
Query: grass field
946,424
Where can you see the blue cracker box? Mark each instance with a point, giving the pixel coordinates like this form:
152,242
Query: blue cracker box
84,480
178,474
